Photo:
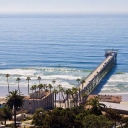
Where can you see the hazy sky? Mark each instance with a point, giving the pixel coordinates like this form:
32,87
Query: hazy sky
63,6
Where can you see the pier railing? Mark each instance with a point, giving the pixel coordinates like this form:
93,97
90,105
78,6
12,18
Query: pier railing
93,79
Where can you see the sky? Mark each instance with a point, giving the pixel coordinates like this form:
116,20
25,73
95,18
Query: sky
63,6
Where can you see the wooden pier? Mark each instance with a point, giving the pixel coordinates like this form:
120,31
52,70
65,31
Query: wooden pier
92,80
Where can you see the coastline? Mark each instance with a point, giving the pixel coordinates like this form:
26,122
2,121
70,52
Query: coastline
24,91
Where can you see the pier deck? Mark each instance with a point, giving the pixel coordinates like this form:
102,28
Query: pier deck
92,80
94,72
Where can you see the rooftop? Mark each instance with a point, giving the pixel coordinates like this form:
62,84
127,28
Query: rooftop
38,95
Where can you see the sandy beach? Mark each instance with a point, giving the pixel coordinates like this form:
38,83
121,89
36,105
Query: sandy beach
24,90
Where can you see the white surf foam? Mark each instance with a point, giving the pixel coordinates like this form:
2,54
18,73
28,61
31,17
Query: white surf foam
20,72
64,76
117,83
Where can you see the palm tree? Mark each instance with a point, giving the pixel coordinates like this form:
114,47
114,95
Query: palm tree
35,96
80,91
55,92
40,87
78,80
82,82
96,106
74,92
62,91
32,88
28,79
7,75
18,79
53,82
84,96
44,86
39,78
62,94
79,95
15,101
35,87
59,86
50,87
68,92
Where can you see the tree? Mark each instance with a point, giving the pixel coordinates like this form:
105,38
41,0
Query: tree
40,87
55,92
96,106
44,86
68,92
50,87
126,122
38,116
79,95
82,82
115,116
53,82
78,80
14,101
7,75
18,79
5,113
61,118
84,96
1,114
80,91
62,94
93,121
59,86
39,78
78,111
32,88
70,118
74,93
28,79
35,87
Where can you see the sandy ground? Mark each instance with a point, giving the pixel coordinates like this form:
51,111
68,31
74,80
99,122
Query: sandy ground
126,103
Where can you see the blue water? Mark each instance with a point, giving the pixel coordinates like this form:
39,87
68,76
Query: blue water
62,48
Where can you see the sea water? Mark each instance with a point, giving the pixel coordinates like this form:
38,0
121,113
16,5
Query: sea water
62,48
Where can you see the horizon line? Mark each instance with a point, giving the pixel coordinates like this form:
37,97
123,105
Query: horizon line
59,14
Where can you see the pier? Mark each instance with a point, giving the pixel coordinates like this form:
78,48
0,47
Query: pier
93,79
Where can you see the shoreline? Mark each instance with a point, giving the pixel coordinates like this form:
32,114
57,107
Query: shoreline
24,91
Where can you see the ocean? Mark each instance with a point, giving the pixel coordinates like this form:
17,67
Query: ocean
63,48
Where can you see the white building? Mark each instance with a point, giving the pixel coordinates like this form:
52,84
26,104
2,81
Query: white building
38,100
